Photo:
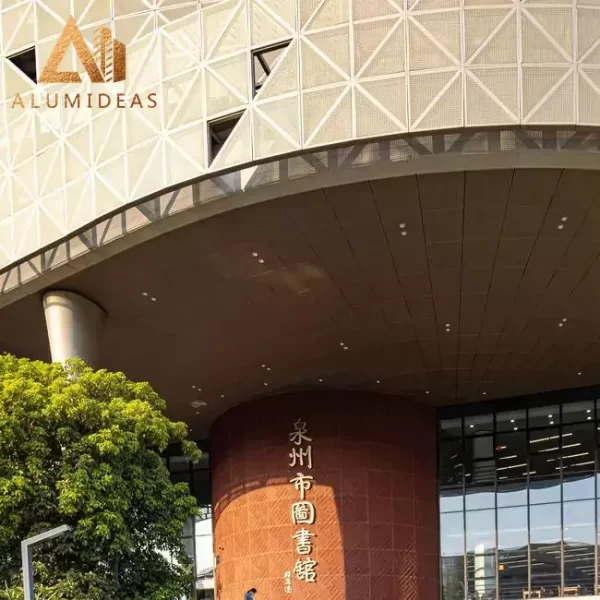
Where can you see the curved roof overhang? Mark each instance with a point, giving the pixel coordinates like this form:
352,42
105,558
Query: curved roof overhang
167,210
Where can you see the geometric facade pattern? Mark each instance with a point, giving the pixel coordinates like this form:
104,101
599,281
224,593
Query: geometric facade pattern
354,69
444,151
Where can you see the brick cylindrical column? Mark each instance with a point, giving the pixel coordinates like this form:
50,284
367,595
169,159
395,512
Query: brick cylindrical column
374,494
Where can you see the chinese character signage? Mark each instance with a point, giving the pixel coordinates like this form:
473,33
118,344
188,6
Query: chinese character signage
303,513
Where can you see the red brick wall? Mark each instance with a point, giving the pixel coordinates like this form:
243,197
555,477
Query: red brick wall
374,464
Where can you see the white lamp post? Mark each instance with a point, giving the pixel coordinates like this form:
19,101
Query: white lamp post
27,556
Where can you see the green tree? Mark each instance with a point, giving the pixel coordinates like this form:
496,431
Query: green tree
82,447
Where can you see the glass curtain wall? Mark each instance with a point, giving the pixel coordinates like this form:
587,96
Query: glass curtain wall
519,503
198,533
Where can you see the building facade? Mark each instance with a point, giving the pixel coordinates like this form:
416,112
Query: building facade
355,246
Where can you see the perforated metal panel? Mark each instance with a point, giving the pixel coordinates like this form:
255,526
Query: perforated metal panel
353,69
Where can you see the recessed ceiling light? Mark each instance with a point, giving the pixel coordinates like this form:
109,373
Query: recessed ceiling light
261,261
193,387
484,393
589,418
560,227
560,324
255,254
512,420
222,395
402,225
345,347
589,410
268,368
549,416
564,219
471,426
580,373
427,392
153,299
145,294
320,381
564,320
342,344
265,383
515,428
378,381
551,422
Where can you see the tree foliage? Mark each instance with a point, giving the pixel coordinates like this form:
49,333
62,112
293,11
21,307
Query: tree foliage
82,447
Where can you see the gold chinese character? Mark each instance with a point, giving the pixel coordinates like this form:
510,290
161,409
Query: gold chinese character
301,457
303,513
305,570
302,483
303,541
299,434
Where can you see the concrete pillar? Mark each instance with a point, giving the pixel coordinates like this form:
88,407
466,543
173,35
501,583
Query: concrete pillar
74,325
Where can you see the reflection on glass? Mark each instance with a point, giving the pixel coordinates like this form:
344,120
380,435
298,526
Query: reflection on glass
544,440
512,551
544,478
451,476
545,548
577,412
511,421
453,578
481,424
452,534
481,531
578,546
480,486
526,495
451,428
543,417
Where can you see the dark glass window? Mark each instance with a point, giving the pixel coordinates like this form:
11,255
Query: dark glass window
519,502
578,412
544,416
511,421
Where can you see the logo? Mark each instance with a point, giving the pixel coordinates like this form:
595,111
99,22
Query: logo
107,63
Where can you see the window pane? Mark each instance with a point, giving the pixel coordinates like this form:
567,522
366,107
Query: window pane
453,578
511,421
179,464
451,476
480,485
577,412
482,588
452,535
545,542
202,490
481,531
544,440
451,428
480,424
204,554
512,529
479,447
544,478
544,416
511,461
512,552
579,551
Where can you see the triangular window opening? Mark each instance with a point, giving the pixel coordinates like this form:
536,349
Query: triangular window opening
219,131
25,61
264,60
